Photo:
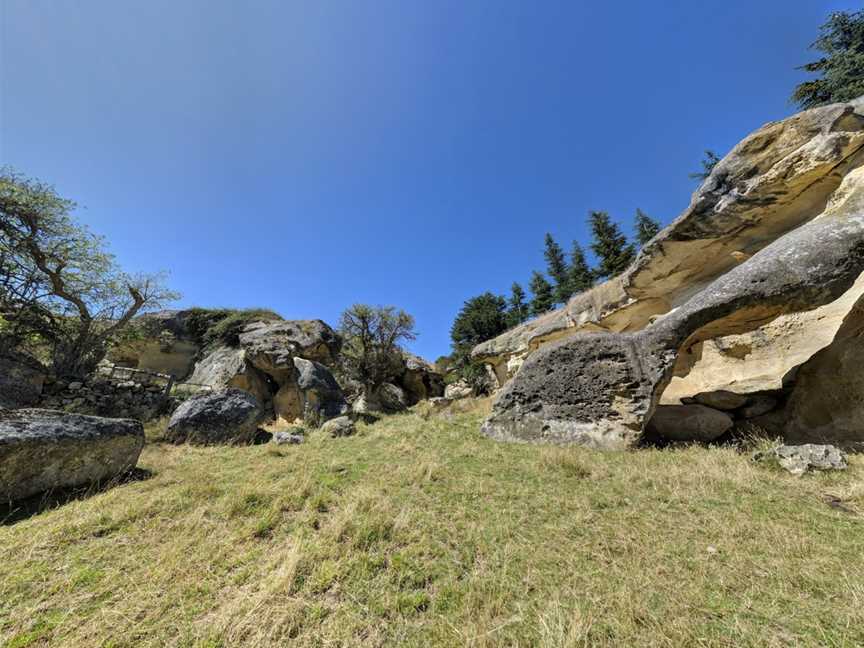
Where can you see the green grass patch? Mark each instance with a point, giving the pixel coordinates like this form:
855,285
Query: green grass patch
423,533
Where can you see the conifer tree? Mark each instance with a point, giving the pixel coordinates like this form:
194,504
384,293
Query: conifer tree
610,245
556,267
841,68
580,276
544,296
517,308
646,227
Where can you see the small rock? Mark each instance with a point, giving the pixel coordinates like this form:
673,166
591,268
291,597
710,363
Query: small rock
722,399
287,438
339,427
798,459
75,386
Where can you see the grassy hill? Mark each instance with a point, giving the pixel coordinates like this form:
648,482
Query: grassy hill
424,533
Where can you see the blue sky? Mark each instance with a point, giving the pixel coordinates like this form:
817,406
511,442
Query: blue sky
304,156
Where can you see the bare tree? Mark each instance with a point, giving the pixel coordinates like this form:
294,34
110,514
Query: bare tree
58,284
371,334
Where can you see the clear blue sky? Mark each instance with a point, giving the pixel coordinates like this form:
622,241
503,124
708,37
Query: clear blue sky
303,156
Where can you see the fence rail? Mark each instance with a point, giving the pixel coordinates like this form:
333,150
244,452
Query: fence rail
117,372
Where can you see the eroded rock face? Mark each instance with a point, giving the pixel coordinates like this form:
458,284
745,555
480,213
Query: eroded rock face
600,389
41,450
420,380
227,416
776,179
827,401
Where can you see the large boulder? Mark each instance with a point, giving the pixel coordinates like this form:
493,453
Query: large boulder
600,389
21,381
41,450
226,416
270,346
319,391
775,180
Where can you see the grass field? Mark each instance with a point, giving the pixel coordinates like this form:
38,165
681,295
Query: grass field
424,533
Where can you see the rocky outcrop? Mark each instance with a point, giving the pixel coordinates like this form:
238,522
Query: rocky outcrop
280,364
271,345
21,381
164,344
42,450
788,202
776,179
227,416
420,380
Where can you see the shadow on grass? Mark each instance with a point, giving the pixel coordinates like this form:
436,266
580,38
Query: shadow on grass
19,510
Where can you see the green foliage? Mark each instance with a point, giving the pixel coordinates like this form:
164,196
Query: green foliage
708,163
371,335
580,276
841,69
543,299
481,318
517,308
646,227
610,245
556,267
211,326
59,283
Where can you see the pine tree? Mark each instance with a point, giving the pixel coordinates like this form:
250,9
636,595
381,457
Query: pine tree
517,309
581,278
610,245
556,266
841,69
544,296
646,227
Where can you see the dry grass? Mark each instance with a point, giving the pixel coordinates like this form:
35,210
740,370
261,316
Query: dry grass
422,533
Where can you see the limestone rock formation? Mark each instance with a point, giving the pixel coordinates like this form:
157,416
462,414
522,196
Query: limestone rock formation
420,380
777,228
280,364
776,179
225,416
41,450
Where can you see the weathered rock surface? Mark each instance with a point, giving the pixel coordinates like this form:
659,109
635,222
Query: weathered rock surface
721,399
799,459
225,416
21,381
420,380
600,389
775,180
688,423
289,437
41,450
270,346
827,401
459,389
